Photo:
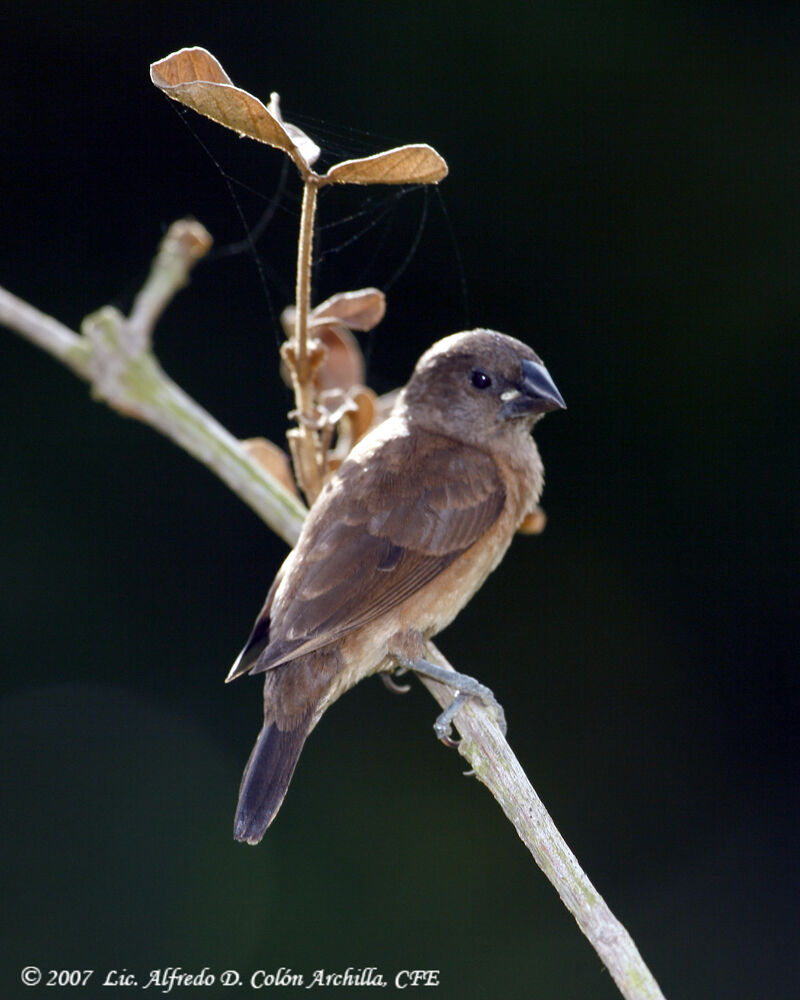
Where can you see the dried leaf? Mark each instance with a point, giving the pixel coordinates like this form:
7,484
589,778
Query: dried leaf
195,78
354,418
334,356
362,419
187,65
272,458
343,366
416,164
330,324
361,310
534,523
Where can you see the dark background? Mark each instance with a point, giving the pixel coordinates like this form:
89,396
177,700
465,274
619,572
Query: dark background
623,195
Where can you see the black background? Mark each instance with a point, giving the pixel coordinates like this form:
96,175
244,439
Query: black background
624,196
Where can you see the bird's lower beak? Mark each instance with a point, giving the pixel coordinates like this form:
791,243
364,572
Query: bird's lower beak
536,393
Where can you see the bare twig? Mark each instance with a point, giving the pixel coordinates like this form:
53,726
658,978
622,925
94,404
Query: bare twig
496,766
308,453
117,361
114,355
184,244
44,331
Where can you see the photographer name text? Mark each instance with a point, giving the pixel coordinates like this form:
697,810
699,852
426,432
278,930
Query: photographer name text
175,978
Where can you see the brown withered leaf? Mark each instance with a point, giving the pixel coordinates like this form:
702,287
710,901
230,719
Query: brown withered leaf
363,417
272,458
355,417
534,522
330,323
413,164
192,76
343,366
360,310
342,363
188,65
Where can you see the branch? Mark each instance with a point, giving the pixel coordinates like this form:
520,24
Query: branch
114,355
495,765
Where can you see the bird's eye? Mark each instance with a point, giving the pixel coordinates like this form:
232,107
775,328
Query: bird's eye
480,379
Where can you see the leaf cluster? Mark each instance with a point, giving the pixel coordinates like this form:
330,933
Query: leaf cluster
321,359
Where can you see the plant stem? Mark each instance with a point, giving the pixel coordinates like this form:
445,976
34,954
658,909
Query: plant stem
114,356
308,457
305,250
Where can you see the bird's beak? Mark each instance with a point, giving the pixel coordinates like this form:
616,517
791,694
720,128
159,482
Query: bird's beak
534,393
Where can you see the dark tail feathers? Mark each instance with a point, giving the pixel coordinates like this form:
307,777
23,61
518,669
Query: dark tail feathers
266,778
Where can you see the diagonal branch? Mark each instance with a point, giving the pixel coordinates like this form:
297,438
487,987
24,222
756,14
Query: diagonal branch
45,332
496,766
113,354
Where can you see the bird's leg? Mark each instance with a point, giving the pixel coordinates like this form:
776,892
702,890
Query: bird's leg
466,687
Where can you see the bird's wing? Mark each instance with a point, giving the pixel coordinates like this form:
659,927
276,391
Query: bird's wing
259,637
395,526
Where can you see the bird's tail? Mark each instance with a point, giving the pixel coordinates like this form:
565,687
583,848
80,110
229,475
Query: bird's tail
266,777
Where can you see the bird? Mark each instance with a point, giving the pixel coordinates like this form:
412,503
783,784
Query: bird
400,538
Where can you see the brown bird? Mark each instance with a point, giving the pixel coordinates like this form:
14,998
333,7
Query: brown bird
400,538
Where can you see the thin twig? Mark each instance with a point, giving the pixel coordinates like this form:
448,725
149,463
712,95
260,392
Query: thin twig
305,250
124,373
307,454
185,243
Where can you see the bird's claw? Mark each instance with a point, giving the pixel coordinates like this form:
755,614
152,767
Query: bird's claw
443,726
391,684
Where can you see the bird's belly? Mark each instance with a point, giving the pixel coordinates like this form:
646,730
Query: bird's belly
425,613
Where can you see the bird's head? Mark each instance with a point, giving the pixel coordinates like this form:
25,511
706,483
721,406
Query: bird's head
479,384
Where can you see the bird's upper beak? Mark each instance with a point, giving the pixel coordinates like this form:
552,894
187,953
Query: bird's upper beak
534,393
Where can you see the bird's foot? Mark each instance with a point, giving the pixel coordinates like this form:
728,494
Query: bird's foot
466,687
